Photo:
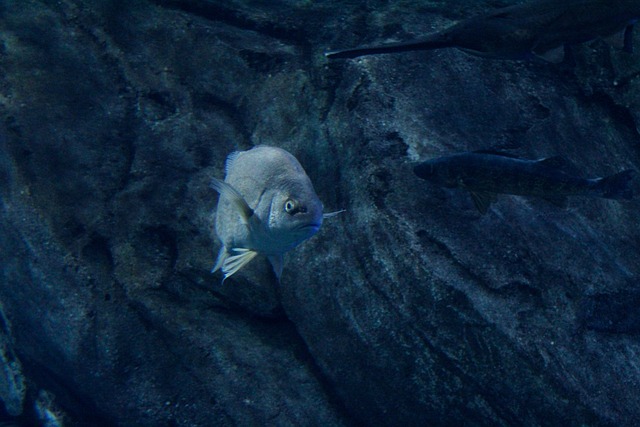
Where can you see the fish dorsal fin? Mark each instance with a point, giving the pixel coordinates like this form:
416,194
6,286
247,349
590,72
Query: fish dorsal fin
232,263
332,214
559,162
482,200
231,158
277,261
236,199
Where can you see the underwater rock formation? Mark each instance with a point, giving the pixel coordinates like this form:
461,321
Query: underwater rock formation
12,382
409,308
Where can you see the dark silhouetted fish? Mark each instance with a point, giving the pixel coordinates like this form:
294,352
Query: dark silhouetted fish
535,29
486,174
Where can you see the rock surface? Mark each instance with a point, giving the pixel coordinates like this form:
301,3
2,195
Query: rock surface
408,309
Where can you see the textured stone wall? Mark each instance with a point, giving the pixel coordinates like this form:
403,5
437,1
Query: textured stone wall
409,309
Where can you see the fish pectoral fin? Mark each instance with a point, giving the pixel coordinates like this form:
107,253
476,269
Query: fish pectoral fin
236,199
332,214
559,201
232,263
482,200
277,261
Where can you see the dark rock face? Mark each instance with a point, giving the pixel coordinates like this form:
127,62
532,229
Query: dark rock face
410,308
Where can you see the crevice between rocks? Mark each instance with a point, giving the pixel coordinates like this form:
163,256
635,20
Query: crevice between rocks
81,410
263,326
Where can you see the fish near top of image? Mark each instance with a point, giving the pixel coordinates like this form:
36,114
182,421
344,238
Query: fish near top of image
484,174
267,206
539,28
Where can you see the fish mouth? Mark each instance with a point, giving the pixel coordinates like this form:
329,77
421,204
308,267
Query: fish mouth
315,226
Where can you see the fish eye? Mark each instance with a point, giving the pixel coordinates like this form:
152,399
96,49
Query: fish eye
290,207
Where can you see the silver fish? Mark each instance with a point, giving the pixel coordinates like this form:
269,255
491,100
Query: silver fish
267,206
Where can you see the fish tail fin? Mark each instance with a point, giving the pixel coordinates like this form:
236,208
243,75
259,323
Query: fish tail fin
435,41
616,186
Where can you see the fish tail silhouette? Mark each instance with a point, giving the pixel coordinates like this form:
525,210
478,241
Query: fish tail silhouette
436,41
616,186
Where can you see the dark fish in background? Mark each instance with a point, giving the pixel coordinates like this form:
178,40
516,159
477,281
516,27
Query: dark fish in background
485,174
536,29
